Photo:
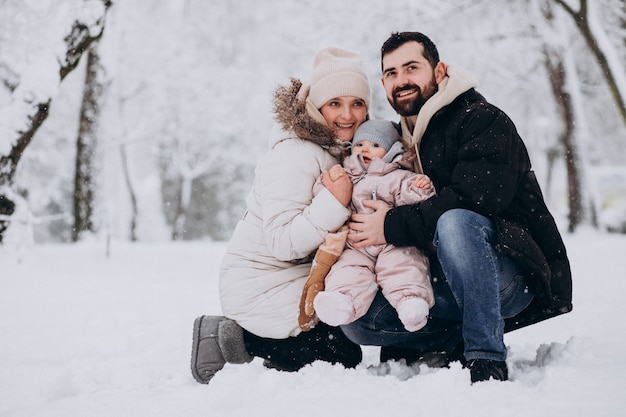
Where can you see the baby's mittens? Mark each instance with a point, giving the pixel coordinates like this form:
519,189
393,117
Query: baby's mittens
413,313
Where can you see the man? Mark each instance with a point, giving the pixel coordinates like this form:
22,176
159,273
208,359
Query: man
498,260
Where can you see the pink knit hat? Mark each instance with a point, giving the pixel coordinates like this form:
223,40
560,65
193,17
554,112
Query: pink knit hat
336,73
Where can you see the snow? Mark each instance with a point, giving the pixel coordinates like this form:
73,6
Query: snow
608,184
86,334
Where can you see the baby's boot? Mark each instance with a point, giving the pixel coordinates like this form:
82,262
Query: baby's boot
334,308
413,313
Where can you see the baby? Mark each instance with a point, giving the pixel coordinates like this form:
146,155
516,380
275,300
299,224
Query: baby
401,272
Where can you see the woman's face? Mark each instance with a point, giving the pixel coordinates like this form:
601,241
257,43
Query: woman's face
344,114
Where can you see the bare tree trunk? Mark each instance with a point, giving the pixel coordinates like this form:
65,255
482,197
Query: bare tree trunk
182,207
131,192
557,74
565,87
87,148
552,155
7,207
178,225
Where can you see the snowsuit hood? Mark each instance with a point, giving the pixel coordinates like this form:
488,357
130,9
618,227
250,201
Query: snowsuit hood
395,190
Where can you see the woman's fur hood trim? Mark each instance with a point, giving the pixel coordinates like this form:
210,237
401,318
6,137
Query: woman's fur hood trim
291,113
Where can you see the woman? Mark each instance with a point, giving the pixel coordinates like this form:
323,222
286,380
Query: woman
269,256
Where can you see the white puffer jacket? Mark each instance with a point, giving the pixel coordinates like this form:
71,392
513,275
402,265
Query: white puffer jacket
269,256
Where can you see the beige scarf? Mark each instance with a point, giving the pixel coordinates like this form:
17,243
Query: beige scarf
455,83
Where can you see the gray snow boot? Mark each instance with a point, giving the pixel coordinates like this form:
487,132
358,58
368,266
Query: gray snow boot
216,341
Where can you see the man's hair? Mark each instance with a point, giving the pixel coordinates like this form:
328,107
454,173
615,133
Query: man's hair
397,39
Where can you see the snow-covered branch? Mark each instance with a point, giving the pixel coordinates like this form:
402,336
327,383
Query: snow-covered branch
586,20
31,100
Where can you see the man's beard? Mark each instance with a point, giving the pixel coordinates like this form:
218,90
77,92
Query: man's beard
413,107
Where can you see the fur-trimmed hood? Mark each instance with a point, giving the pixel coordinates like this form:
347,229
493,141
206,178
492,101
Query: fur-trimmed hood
293,113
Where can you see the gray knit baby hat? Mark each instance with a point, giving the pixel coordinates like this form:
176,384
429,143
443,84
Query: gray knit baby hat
382,132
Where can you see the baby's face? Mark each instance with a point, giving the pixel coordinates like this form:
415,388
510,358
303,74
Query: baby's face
369,150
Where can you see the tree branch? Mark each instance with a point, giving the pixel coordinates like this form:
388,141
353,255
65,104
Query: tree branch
568,9
582,22
78,41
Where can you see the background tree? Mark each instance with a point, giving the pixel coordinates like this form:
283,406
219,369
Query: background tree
31,102
86,167
190,84
565,88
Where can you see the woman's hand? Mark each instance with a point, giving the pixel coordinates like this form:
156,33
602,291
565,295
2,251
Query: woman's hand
368,229
338,183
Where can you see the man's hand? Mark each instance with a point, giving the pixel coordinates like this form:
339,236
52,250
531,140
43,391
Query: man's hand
368,229
338,183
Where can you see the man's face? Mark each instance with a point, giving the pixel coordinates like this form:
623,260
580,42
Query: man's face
408,78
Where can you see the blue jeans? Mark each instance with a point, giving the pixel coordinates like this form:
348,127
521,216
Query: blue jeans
475,286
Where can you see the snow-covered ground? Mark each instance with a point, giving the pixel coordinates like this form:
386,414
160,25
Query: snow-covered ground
83,334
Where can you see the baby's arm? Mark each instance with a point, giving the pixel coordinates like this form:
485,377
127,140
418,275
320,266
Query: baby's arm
336,180
336,172
423,181
414,189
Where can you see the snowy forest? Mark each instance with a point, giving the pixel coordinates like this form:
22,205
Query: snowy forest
135,126
143,120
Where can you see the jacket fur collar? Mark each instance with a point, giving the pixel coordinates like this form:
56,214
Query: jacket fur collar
293,114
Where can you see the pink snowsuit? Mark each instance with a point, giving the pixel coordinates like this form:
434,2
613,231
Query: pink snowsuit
401,272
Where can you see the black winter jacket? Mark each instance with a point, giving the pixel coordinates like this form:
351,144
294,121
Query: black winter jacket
477,161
